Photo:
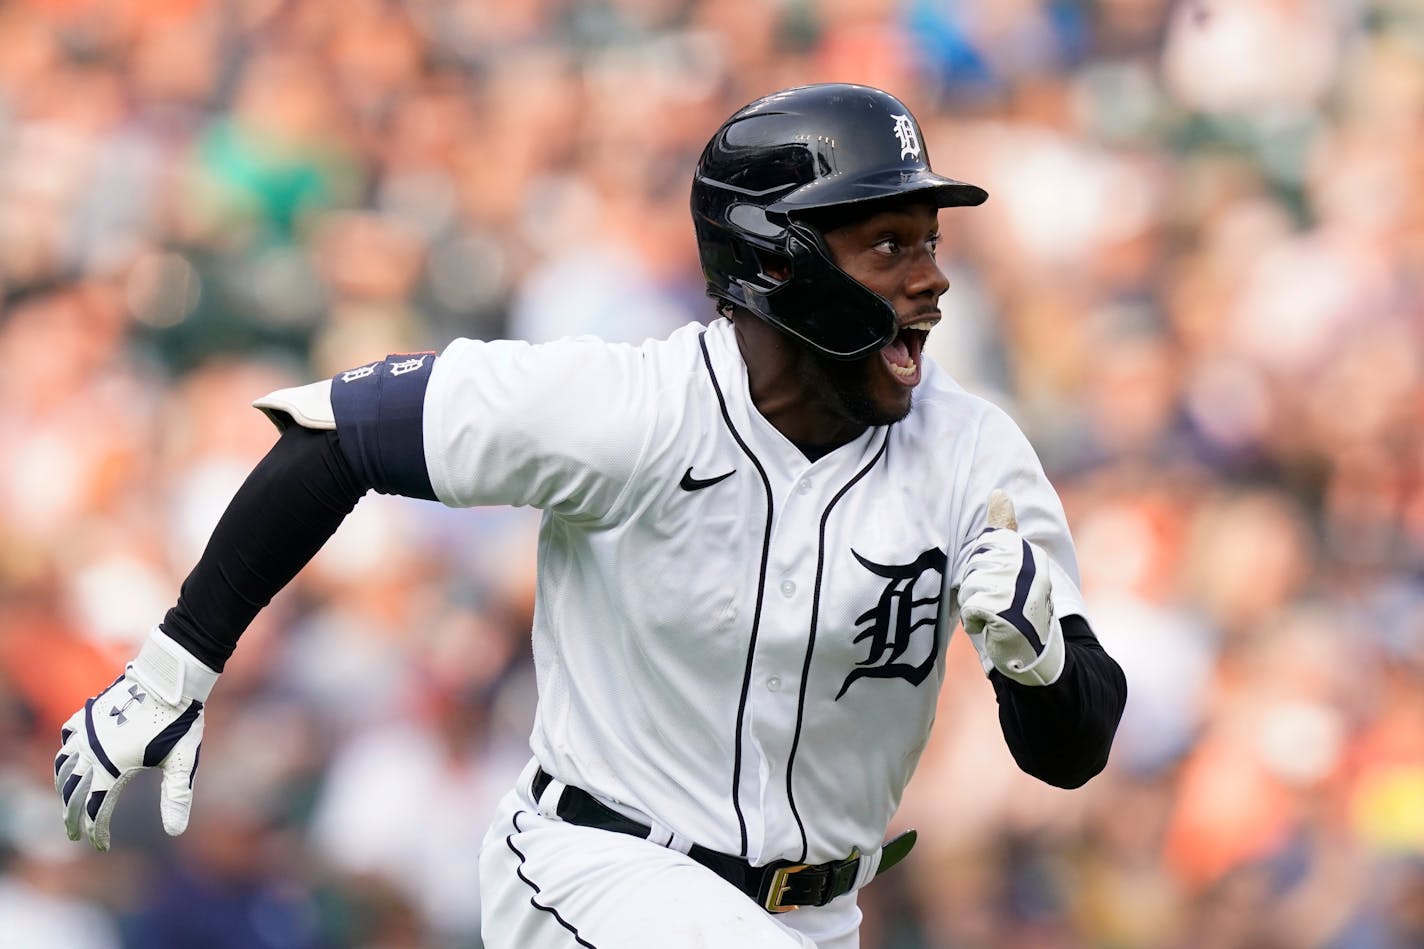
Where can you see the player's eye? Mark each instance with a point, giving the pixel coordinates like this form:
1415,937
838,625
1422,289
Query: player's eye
933,243
888,245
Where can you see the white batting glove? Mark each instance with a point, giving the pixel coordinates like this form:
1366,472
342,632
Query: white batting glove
1005,601
151,716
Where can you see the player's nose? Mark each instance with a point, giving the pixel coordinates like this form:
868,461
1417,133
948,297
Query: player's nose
927,278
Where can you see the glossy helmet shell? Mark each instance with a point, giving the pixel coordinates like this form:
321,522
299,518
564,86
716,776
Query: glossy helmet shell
778,165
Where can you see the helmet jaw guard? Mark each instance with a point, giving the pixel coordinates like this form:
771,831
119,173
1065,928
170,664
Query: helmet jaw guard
784,158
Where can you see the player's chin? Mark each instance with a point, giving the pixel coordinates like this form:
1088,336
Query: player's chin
886,401
864,390
895,408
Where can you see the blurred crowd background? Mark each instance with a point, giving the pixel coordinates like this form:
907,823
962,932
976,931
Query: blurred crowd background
1198,283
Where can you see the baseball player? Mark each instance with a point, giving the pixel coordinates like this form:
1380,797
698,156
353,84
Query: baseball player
757,536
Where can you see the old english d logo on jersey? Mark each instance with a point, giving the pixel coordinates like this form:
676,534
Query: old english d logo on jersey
908,604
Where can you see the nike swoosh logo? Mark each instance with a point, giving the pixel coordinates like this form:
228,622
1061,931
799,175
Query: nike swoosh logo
689,483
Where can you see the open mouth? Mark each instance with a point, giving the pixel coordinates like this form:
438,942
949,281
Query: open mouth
902,354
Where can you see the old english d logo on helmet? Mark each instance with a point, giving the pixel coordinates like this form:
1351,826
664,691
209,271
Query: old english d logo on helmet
767,173
908,135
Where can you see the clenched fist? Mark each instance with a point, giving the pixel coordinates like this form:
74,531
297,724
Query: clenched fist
1006,603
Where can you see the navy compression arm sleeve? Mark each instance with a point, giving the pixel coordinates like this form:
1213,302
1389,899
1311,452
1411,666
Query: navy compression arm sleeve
288,507
1061,733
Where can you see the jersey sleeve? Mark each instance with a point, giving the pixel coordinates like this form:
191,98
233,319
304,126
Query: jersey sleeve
560,426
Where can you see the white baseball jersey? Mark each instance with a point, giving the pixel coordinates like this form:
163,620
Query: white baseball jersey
731,642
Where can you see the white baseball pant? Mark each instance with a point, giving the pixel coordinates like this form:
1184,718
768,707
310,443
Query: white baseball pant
549,884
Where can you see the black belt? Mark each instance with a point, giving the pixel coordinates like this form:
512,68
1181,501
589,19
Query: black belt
777,887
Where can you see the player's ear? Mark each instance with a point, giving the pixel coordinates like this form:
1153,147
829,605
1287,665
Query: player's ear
774,266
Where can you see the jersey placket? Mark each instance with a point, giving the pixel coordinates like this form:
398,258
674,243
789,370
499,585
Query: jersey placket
774,696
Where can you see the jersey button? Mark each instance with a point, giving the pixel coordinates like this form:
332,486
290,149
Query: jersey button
804,487
773,683
787,588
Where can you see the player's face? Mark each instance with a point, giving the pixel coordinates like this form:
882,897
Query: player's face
891,252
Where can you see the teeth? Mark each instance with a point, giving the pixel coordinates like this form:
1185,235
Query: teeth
903,372
923,326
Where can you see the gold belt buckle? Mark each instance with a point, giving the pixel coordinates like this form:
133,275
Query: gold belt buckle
778,888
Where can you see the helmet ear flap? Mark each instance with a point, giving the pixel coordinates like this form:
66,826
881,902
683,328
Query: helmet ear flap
835,313
774,264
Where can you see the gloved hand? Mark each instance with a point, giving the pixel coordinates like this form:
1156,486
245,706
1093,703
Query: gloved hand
151,716
1005,601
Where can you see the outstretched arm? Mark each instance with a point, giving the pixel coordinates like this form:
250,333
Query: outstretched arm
559,427
152,715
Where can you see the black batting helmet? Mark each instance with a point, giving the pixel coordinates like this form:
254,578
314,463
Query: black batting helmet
778,164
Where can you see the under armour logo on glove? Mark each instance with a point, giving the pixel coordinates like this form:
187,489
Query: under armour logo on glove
118,711
1006,603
